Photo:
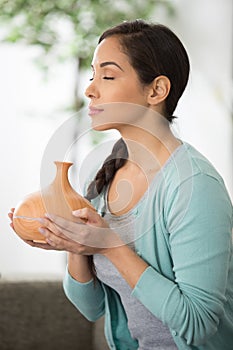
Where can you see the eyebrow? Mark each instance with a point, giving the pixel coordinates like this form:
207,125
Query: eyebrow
108,63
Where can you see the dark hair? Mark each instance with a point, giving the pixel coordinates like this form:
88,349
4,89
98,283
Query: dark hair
111,164
153,50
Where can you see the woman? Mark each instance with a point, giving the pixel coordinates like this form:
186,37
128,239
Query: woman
160,238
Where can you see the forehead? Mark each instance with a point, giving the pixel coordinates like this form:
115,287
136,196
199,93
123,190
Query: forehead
109,50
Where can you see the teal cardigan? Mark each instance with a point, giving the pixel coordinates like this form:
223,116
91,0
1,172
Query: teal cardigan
183,231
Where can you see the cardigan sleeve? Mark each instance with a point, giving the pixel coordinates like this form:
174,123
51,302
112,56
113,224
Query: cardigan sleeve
199,227
87,297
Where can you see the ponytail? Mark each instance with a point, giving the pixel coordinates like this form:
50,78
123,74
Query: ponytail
106,173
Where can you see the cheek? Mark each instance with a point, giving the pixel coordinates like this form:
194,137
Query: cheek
124,91
133,94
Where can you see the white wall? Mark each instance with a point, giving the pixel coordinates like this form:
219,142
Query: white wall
205,115
30,111
29,114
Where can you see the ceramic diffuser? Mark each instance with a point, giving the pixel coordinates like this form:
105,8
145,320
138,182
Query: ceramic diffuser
58,198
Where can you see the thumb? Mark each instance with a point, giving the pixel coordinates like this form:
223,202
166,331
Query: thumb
86,214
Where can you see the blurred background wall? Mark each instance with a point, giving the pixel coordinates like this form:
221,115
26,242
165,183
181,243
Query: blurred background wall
33,107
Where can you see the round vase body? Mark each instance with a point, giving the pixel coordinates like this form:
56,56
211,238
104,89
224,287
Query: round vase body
58,198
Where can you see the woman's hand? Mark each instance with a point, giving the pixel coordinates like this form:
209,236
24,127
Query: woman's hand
89,235
45,246
10,214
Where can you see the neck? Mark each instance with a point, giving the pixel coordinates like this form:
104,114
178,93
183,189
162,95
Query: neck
149,146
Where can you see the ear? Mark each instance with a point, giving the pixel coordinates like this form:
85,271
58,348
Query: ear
158,90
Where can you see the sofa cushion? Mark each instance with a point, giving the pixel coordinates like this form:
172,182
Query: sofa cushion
37,315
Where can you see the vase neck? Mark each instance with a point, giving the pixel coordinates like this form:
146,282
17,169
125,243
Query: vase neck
62,173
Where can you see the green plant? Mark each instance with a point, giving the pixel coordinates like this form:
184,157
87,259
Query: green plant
68,29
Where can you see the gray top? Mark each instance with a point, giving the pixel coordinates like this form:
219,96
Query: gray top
150,332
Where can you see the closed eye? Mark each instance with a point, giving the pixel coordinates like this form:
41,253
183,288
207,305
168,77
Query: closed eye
106,78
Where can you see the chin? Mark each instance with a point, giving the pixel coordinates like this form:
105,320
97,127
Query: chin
103,126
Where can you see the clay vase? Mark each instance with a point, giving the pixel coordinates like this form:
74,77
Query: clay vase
58,198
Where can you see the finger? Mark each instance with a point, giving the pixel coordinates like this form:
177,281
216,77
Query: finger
71,231
52,239
79,218
44,246
64,225
89,235
87,214
50,226
12,226
83,213
52,244
11,213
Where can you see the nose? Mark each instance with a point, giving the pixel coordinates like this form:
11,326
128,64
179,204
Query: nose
91,91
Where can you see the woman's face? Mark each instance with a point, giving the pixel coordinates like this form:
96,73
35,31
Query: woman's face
114,87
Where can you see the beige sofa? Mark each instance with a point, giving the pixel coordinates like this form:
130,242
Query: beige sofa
38,316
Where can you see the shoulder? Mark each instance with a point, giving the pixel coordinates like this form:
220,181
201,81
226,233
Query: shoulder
192,188
188,178
188,161
187,166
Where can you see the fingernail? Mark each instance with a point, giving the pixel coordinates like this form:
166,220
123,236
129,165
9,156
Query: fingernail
41,230
76,212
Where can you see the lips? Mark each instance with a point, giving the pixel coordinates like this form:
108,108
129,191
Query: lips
94,111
